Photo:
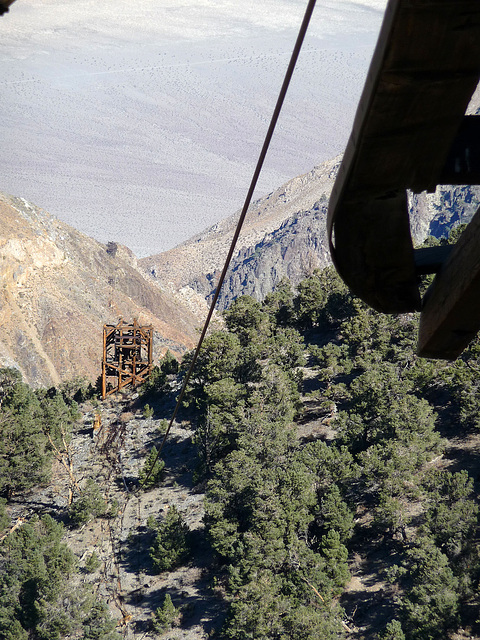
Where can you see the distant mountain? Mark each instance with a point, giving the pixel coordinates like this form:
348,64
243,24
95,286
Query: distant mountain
59,286
58,289
285,235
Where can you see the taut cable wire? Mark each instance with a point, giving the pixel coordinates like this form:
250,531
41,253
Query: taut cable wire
253,184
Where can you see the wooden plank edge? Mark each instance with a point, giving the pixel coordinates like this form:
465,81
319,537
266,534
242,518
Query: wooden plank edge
450,316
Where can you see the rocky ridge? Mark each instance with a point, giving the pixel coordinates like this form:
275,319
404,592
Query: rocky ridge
203,255
285,235
59,286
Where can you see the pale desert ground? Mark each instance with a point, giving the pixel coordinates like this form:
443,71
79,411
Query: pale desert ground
142,122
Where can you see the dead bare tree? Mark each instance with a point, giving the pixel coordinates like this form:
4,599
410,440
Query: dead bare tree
65,457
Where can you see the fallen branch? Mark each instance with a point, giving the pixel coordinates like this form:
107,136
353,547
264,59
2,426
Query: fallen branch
323,600
18,523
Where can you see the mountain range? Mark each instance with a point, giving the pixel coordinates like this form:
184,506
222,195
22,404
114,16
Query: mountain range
60,286
285,235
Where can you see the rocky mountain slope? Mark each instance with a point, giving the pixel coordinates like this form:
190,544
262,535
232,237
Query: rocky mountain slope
393,509
285,235
205,252
59,286
58,289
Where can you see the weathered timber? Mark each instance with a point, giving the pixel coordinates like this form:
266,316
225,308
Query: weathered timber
127,356
410,132
5,6
451,313
431,259
463,162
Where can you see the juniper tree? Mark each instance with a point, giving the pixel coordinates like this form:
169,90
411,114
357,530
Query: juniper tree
165,616
88,504
172,545
431,601
24,455
35,569
151,473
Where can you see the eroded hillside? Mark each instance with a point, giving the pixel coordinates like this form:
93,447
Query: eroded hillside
197,259
285,235
58,289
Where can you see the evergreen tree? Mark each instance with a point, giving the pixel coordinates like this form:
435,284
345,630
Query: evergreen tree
151,473
333,514
218,359
24,456
393,631
87,505
279,303
169,364
92,563
431,602
171,547
165,616
452,514
98,625
4,519
35,570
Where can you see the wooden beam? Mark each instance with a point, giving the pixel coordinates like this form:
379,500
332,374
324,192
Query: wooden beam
424,71
5,6
431,259
124,348
463,162
450,316
374,252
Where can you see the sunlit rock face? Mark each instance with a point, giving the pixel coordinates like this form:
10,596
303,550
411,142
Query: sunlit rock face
58,288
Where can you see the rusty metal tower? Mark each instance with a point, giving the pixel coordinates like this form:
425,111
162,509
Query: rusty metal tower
127,355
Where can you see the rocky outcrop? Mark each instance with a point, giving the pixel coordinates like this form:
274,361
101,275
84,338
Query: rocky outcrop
300,244
285,235
294,251
58,288
198,259
434,214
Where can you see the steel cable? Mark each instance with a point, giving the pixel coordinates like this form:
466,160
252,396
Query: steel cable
253,184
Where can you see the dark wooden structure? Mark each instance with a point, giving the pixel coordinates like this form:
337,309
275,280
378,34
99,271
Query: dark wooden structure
127,355
5,5
411,132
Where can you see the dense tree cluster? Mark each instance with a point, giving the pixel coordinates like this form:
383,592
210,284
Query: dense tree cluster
275,516
280,511
36,600
32,425
285,509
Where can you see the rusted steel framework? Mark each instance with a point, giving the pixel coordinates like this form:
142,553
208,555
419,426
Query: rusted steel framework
411,131
127,355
